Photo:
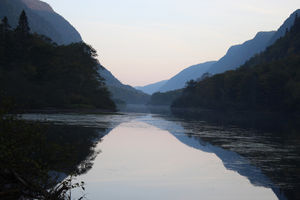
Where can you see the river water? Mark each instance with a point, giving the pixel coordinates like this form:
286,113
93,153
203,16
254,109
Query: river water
149,156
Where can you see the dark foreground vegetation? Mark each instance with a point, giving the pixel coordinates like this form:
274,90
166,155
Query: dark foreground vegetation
268,82
38,161
37,73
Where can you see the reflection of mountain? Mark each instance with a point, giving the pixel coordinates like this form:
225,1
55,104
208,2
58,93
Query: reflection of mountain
230,159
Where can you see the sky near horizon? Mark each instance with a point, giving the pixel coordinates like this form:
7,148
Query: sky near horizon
145,41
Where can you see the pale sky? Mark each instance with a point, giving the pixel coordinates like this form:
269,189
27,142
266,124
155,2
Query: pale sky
145,41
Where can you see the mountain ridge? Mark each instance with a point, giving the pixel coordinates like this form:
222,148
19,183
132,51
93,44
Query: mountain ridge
42,20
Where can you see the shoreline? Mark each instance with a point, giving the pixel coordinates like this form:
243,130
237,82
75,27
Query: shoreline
61,111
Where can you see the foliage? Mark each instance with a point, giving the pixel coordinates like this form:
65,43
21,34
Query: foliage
37,73
269,81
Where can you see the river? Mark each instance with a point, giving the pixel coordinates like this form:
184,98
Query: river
151,156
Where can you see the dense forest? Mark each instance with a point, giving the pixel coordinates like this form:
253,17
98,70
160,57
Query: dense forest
269,81
37,73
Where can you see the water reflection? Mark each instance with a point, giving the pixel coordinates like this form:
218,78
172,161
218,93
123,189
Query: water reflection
231,160
142,159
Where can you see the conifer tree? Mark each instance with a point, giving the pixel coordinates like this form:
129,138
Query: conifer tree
4,28
5,25
23,26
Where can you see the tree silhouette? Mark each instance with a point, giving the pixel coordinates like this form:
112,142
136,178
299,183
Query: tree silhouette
5,24
191,84
23,26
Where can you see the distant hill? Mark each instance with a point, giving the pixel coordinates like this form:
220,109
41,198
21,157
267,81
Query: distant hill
178,81
42,19
151,88
121,92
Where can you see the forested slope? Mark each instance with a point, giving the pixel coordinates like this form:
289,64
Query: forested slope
37,73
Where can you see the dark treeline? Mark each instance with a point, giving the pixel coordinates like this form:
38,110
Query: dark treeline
37,73
267,82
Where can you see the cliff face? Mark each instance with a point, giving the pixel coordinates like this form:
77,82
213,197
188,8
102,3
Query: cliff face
42,19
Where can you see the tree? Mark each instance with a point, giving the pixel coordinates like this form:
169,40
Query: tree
23,26
190,85
5,25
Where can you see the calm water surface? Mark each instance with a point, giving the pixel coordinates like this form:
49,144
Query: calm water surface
146,156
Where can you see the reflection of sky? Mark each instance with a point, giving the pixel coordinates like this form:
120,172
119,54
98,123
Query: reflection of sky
139,161
155,39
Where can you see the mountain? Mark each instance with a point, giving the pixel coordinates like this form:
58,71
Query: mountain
42,20
122,93
239,54
236,55
268,82
179,80
151,88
